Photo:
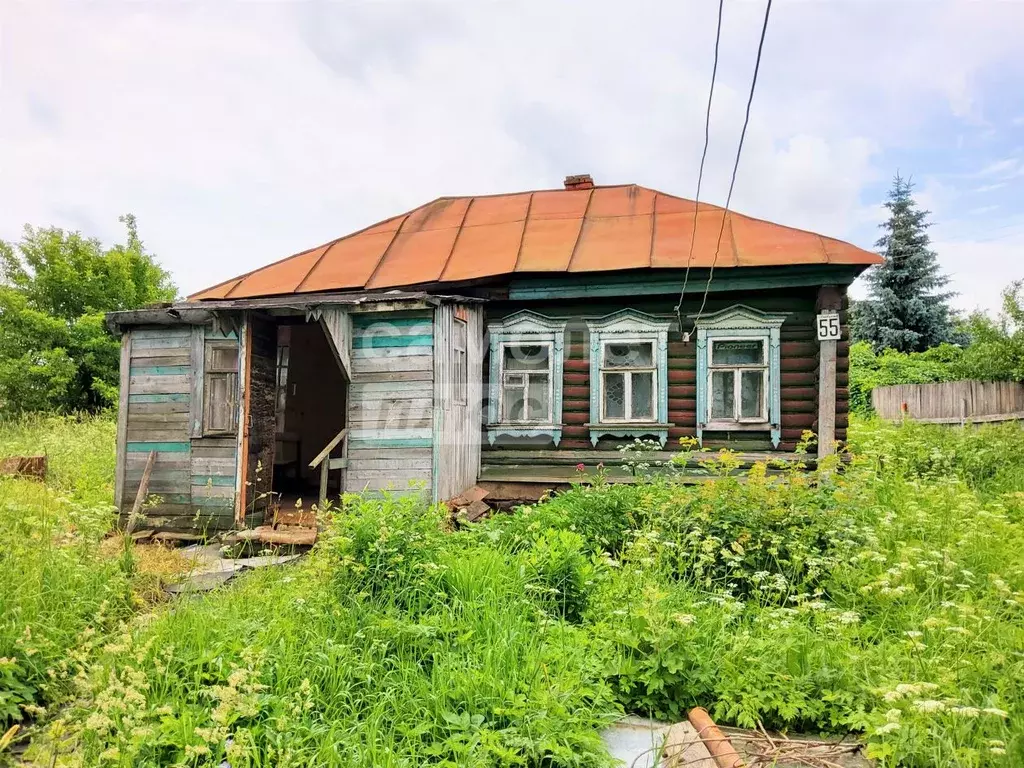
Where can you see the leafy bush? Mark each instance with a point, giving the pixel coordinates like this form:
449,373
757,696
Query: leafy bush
561,573
602,514
759,535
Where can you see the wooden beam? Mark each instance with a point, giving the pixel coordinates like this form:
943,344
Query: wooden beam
140,497
197,354
328,448
122,419
242,436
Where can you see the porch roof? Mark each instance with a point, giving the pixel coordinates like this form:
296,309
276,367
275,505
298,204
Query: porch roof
597,229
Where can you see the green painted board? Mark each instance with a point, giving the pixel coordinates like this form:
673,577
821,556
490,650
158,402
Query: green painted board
383,340
223,480
178,398
362,321
158,447
406,442
159,370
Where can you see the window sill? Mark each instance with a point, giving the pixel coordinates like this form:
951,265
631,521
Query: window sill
737,426
494,431
629,429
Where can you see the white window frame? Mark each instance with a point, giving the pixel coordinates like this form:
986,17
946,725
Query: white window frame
738,370
526,384
628,372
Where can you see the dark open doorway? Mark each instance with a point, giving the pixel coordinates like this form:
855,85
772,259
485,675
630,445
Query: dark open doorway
312,393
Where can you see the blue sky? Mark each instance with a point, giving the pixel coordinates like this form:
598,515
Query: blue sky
241,132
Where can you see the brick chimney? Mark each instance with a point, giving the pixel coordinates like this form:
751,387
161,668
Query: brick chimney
579,181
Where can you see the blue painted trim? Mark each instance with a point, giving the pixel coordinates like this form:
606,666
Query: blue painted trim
361,321
373,341
628,324
216,336
647,283
702,385
598,432
744,322
182,398
158,447
160,370
410,442
526,327
500,430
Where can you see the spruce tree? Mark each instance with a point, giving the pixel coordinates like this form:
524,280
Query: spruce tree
907,309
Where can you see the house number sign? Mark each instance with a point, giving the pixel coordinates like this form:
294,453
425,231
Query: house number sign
828,326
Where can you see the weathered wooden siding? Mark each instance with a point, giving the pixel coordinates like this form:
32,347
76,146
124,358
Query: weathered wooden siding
156,396
391,402
456,425
214,459
193,479
798,373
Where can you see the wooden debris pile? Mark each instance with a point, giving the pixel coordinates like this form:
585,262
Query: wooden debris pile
469,506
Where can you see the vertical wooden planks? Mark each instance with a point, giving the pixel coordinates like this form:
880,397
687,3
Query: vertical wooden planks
197,360
457,435
826,398
391,401
242,438
122,418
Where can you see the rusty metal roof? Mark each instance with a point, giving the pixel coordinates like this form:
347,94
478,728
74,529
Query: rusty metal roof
455,239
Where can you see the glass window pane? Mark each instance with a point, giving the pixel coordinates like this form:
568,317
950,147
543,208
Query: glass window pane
614,395
526,357
460,334
643,395
751,394
537,404
722,395
737,353
221,358
512,404
638,355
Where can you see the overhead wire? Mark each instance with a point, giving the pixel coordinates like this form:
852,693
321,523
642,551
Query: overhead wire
700,173
736,165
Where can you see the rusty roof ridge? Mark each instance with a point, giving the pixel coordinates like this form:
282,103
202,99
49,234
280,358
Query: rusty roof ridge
824,250
455,240
316,264
391,242
522,236
579,234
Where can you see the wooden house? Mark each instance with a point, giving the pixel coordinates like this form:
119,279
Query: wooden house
501,340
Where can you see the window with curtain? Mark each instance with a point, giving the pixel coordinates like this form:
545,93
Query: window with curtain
629,381
738,380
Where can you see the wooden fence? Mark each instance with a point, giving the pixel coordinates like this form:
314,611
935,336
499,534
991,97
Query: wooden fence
951,402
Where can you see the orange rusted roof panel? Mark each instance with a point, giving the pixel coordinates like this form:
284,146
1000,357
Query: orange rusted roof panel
454,239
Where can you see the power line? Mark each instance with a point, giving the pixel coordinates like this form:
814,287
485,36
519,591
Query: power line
700,173
736,165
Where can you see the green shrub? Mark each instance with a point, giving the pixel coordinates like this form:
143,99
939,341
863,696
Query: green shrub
758,535
602,514
561,573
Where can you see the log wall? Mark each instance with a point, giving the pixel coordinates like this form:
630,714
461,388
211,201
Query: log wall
798,371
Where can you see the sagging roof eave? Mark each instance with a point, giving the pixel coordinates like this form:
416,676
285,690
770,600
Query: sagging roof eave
202,312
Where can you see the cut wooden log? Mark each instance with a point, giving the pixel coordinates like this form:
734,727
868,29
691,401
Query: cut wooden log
140,497
717,743
296,536
24,466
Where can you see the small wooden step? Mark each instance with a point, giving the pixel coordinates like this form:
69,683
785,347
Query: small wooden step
294,535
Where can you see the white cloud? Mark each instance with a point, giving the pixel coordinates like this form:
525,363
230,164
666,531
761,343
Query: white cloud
239,133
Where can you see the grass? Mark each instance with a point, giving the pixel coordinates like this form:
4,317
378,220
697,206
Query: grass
885,599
